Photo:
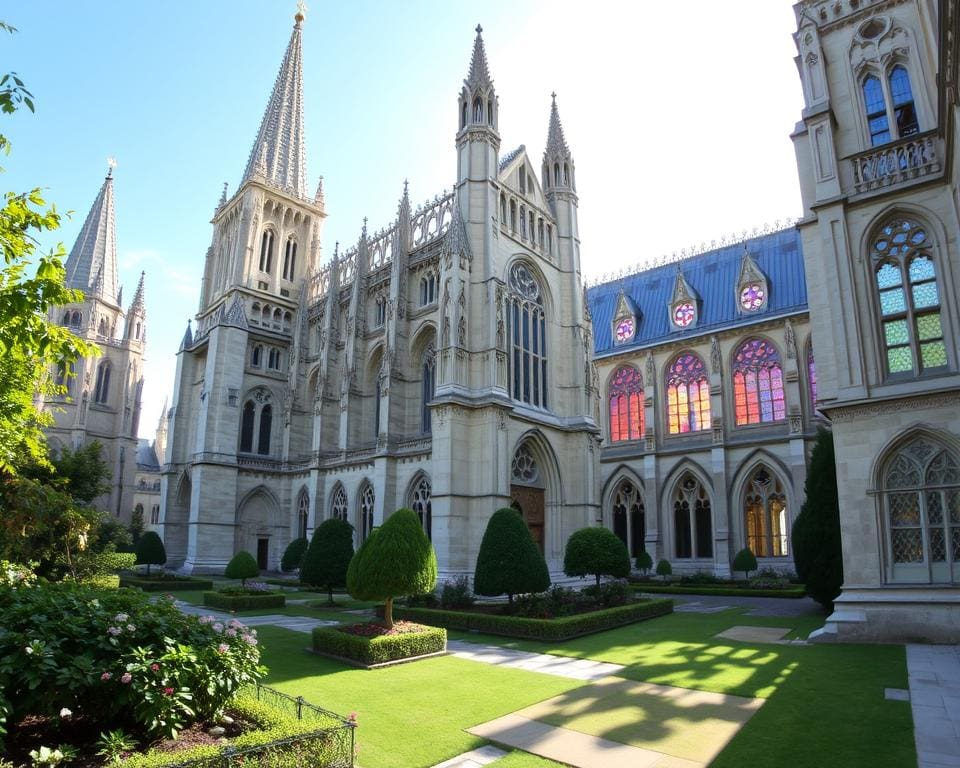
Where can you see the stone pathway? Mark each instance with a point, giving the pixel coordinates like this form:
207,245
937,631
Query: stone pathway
934,673
575,669
474,758
750,634
296,623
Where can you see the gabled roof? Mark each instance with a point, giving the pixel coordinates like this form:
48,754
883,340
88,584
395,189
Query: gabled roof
713,276
512,155
92,263
146,455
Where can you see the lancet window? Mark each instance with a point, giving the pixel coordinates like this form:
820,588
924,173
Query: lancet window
758,383
266,250
528,338
338,506
256,421
101,391
365,511
289,259
692,520
688,395
427,389
420,503
626,405
629,521
765,514
303,514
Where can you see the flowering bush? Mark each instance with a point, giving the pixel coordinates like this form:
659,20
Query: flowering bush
16,575
118,660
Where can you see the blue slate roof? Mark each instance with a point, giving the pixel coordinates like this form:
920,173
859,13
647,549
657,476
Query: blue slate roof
713,276
146,455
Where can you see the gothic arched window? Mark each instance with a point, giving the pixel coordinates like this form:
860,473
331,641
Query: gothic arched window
303,515
365,511
688,395
758,383
427,389
904,111
909,298
256,356
338,506
101,391
629,521
528,338
263,439
289,259
626,405
246,427
877,121
921,499
765,514
420,503
692,521
266,250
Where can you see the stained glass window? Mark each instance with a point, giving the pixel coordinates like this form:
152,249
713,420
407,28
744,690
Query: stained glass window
765,512
420,503
812,376
758,383
688,395
366,511
684,313
752,297
528,338
338,507
625,329
626,405
909,299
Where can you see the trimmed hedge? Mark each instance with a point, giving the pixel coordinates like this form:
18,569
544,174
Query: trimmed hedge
165,585
242,602
275,724
377,650
562,628
788,592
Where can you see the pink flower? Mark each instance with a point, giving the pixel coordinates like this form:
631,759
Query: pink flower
250,639
223,648
114,631
126,677
155,667
105,676
218,627
168,691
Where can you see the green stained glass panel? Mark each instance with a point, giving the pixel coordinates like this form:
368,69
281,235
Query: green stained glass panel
928,327
888,276
921,268
893,301
898,360
926,295
933,355
896,332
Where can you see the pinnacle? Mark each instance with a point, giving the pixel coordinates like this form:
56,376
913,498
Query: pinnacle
92,263
479,75
556,143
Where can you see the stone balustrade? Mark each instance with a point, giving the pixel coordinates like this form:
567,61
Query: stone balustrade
910,158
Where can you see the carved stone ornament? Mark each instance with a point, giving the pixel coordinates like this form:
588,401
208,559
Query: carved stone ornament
789,339
651,371
716,360
523,282
462,332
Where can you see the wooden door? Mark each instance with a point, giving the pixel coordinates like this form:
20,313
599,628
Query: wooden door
529,502
263,551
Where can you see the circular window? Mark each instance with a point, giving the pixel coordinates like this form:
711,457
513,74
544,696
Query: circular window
683,314
625,329
752,297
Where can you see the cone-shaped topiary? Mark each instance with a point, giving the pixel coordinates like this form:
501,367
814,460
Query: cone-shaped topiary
396,559
745,561
596,551
664,569
509,561
644,562
293,555
327,558
243,567
150,550
817,551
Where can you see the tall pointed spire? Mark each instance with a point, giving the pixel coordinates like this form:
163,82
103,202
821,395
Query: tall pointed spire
93,258
479,75
556,143
278,149
137,305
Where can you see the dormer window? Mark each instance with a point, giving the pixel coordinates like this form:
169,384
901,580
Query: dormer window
683,305
751,285
625,318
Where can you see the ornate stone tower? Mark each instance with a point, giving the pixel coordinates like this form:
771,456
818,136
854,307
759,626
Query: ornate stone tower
102,399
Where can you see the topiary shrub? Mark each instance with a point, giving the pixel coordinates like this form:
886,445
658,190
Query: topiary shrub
644,562
817,550
293,555
150,550
243,567
596,551
664,569
396,560
745,561
509,561
327,558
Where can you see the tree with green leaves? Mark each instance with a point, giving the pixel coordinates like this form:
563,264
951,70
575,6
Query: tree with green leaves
293,554
664,569
397,559
242,566
644,562
509,561
328,557
150,550
597,552
745,561
817,551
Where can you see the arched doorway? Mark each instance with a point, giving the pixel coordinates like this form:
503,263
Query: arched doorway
527,492
255,529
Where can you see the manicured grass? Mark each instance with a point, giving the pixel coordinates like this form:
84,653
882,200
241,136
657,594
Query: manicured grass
518,759
412,714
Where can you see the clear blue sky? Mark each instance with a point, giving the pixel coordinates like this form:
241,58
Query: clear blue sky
678,118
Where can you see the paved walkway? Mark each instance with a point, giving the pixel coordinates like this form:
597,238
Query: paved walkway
575,669
758,606
296,623
934,672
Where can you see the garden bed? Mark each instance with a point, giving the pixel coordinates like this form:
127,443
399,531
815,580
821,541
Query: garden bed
722,590
156,583
561,628
244,601
371,645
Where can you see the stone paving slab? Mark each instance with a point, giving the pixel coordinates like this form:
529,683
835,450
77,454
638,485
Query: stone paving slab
574,669
295,623
572,747
934,675
475,758
747,634
697,607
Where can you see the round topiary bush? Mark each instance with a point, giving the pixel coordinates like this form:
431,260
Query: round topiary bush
664,569
150,550
293,555
596,551
396,559
327,558
644,562
509,561
243,567
745,561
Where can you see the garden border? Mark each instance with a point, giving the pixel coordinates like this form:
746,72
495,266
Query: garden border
165,585
251,602
373,652
788,593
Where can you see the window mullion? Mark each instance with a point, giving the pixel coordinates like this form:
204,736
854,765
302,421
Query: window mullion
892,126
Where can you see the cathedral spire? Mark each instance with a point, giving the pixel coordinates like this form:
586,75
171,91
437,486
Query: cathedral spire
137,305
558,168
278,149
556,143
479,75
92,263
